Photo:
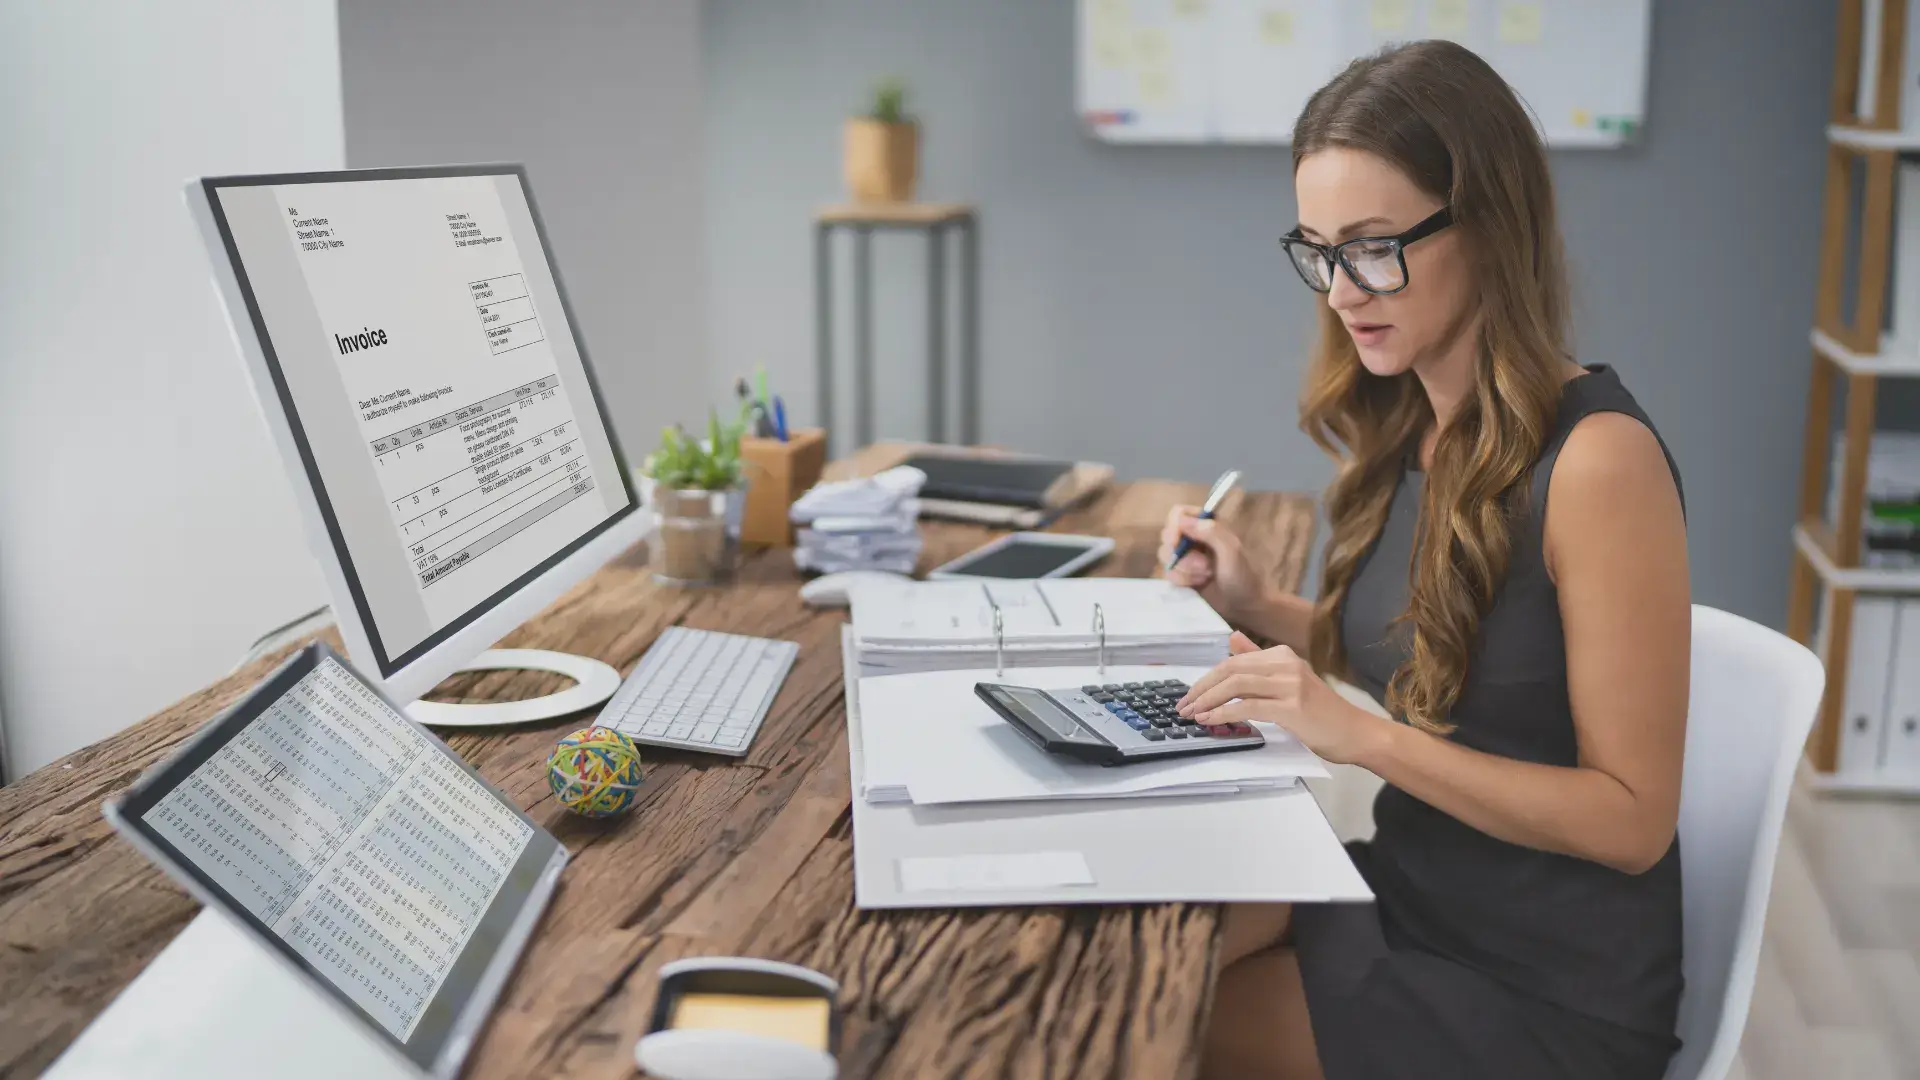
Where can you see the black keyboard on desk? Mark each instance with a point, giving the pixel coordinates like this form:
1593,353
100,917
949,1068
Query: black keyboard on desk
1113,723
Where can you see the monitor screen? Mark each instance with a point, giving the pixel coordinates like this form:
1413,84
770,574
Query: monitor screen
426,360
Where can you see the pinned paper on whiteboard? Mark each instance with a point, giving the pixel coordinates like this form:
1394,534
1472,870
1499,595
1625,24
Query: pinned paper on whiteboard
1390,18
1448,19
1520,23
1276,27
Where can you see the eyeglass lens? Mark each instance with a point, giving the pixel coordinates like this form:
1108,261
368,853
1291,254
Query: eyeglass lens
1375,264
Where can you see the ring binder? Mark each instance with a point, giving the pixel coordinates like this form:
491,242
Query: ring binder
1100,633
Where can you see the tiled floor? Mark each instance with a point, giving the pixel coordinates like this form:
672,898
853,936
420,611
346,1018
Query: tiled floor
1838,992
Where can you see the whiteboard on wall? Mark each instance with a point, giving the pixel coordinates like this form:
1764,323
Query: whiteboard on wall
1240,71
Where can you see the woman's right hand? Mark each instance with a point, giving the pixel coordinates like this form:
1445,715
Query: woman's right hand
1216,565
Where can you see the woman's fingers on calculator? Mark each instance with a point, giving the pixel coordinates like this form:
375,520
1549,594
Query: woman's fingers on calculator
1245,688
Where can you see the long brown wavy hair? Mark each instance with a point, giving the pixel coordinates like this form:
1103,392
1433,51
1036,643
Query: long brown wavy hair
1448,121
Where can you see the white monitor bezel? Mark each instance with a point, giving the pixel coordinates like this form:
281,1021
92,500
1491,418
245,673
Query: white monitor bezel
420,668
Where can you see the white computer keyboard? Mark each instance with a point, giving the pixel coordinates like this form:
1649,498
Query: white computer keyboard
700,690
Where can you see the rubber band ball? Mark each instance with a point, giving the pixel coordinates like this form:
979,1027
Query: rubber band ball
595,772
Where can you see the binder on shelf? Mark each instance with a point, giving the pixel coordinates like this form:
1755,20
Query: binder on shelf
1900,741
1869,667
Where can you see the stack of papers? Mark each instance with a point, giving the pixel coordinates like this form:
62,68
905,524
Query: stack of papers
914,626
866,524
929,740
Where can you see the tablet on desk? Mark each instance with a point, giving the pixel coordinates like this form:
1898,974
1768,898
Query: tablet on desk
357,848
1028,555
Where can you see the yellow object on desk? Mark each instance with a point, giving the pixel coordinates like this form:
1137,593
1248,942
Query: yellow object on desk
797,1019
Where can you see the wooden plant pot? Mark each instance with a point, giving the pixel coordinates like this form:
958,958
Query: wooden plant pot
882,160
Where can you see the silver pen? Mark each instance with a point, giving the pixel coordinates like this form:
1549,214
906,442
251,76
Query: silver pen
1227,482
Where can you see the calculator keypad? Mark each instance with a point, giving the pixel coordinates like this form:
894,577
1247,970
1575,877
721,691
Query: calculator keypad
1139,717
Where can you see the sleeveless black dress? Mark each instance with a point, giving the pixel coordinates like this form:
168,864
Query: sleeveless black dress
1481,958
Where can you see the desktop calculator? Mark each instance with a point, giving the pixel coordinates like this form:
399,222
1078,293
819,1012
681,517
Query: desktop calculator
1113,723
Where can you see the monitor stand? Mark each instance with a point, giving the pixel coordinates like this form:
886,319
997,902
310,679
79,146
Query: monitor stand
215,1002
594,682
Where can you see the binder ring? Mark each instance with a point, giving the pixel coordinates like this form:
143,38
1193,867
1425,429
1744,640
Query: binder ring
999,644
1100,632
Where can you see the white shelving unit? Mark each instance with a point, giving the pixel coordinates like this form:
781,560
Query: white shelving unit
1865,140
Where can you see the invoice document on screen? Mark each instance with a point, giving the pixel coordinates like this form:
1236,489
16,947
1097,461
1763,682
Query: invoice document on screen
423,291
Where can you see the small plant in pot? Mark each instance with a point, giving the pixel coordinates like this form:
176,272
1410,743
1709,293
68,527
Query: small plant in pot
883,148
699,490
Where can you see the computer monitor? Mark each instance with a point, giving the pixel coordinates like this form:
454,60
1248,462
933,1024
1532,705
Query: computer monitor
421,372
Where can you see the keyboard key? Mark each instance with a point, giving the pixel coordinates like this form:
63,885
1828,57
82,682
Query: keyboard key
1161,722
705,732
730,738
1155,735
679,731
1176,733
654,727
1111,687
1094,688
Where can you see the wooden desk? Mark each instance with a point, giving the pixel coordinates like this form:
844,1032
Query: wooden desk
754,858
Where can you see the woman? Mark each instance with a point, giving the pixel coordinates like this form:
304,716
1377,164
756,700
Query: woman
1507,572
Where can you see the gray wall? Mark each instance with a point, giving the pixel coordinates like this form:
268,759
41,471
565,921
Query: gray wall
601,100
1135,305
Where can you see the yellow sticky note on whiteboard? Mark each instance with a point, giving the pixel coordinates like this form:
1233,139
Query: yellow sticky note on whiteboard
1519,23
1156,87
1192,9
1276,27
1448,19
1581,118
1389,16
1111,11
1110,48
1151,49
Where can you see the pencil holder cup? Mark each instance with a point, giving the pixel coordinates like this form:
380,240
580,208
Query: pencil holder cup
780,473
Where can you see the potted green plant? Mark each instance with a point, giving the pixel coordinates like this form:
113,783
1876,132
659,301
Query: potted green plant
883,147
699,490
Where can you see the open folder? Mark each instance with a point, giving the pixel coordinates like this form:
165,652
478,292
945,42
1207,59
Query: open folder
930,740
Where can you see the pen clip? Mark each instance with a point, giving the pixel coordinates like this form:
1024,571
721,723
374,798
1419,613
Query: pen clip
999,643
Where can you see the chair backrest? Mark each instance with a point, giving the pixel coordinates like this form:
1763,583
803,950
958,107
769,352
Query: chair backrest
1754,697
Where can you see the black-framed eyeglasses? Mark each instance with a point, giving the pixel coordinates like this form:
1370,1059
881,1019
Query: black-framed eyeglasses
1377,264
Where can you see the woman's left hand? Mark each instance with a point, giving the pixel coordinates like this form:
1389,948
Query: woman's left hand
1276,685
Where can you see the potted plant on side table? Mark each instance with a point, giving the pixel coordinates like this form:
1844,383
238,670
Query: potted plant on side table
883,148
699,492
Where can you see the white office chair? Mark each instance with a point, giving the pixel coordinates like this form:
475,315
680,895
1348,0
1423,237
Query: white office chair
1754,696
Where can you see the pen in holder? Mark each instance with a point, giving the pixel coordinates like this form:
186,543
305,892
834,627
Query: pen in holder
1100,634
999,644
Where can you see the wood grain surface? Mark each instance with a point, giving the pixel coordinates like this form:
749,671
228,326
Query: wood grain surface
752,857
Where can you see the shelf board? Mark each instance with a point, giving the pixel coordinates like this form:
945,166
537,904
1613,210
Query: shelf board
1896,360
1865,782
1870,139
1809,539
